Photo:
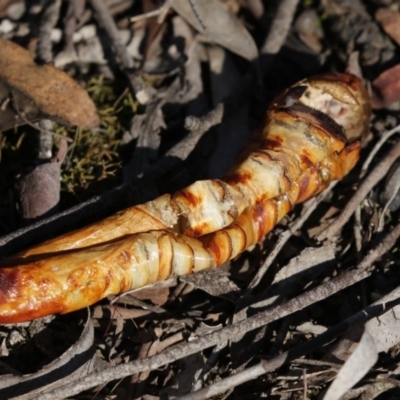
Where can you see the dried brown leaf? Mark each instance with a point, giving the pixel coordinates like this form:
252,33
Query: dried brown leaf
387,87
214,21
158,295
189,369
385,329
17,111
4,5
215,282
52,91
390,21
355,368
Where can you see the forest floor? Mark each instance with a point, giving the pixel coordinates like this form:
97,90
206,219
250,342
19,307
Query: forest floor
155,96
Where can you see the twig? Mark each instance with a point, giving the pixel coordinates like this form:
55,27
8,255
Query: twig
203,124
197,127
48,20
45,135
392,187
210,364
104,17
181,350
320,363
376,148
160,13
378,386
357,230
373,178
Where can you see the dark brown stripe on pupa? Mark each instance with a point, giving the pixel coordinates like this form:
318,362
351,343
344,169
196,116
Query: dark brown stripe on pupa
325,121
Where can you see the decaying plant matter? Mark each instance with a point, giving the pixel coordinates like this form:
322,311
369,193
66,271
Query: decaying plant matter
311,136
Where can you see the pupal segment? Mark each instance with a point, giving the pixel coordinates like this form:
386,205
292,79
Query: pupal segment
311,136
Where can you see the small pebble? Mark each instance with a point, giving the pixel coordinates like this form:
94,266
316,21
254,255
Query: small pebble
6,26
16,11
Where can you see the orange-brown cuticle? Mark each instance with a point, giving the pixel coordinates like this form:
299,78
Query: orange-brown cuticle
272,143
303,188
286,183
195,232
237,178
305,158
9,284
212,246
125,255
190,198
262,221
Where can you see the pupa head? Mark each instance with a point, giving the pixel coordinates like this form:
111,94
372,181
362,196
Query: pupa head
341,97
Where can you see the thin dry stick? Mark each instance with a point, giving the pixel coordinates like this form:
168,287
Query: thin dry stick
357,229
184,349
104,17
203,124
45,137
377,386
304,385
49,18
373,178
210,364
159,12
376,148
319,363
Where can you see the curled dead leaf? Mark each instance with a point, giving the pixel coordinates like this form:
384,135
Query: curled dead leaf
387,88
39,188
48,91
